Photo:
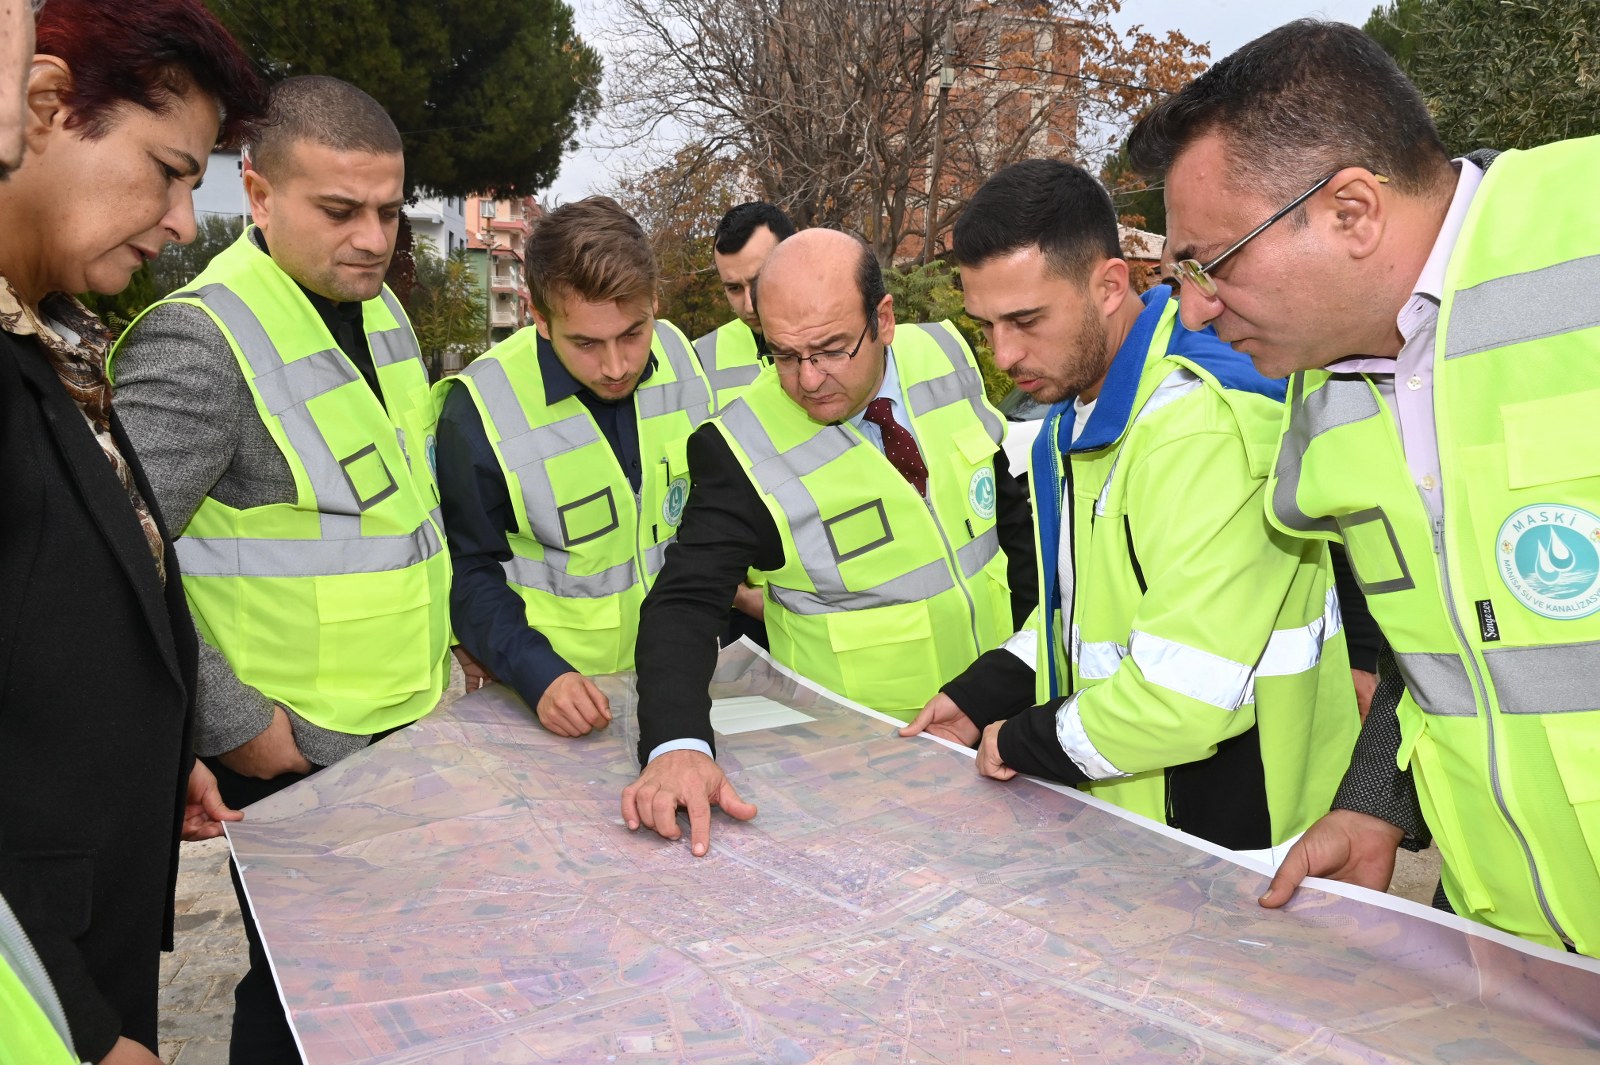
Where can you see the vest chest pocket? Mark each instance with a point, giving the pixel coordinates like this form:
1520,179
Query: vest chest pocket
369,477
1542,447
1375,555
589,518
857,531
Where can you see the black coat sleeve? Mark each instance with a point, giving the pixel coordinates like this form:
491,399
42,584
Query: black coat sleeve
1014,523
997,686
726,531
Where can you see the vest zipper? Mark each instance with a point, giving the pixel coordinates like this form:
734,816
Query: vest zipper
24,960
1494,765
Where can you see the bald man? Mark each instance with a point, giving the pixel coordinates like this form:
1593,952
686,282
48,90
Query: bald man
865,481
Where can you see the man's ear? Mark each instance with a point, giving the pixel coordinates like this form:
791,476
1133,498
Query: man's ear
1358,212
258,191
1109,286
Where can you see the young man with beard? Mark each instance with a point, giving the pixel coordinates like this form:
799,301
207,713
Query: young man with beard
1186,660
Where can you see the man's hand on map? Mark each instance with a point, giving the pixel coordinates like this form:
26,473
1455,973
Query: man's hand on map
943,718
203,808
989,763
685,779
573,706
1343,845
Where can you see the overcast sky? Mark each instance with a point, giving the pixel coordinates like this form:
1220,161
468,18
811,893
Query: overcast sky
1223,24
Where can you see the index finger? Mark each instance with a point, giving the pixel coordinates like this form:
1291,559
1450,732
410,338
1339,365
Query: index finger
699,822
591,703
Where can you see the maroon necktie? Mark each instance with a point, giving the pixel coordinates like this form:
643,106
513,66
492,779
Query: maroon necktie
898,445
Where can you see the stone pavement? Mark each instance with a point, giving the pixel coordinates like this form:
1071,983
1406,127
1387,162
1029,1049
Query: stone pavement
197,978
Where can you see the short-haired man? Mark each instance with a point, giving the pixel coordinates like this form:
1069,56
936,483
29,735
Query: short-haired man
281,408
562,469
1187,660
1439,321
732,353
864,480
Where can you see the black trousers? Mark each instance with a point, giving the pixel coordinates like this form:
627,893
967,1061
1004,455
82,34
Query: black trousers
261,1033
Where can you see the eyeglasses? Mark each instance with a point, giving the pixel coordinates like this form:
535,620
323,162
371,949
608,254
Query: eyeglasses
1191,272
826,361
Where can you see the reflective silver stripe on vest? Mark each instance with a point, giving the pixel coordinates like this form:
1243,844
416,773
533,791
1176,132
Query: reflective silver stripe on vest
1337,403
393,345
1522,307
962,383
723,377
1438,683
246,557
688,393
550,575
979,553
285,389
779,475
1556,679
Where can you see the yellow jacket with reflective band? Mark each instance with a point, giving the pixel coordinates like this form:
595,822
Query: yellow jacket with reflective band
883,595
33,1029
728,355
1494,616
586,549
337,604
1191,618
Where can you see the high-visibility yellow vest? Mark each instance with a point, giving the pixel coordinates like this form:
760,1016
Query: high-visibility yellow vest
33,1028
729,357
335,605
586,548
1160,676
883,595
1493,613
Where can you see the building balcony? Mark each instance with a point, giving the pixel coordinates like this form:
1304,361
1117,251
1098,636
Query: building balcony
506,319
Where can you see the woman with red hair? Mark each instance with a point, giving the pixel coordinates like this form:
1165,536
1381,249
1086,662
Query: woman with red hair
125,101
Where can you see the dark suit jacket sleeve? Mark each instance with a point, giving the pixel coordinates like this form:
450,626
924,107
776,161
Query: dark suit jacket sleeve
489,618
726,530
1362,636
1014,523
1374,784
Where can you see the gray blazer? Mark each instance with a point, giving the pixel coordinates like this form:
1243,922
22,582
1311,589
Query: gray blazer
187,409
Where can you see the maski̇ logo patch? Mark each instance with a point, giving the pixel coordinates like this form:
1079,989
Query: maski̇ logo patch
981,492
1548,555
677,495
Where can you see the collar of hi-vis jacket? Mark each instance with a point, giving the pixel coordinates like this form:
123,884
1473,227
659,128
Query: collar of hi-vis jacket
1114,411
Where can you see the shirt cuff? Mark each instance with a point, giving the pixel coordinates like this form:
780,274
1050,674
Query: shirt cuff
680,745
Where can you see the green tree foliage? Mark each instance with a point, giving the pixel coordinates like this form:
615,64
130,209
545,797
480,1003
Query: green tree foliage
928,293
1499,73
487,93
446,307
1139,204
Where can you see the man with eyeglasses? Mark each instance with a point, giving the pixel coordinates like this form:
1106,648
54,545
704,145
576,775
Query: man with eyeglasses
1187,662
1438,319
864,480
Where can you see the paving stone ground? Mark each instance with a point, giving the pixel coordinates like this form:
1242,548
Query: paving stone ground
197,978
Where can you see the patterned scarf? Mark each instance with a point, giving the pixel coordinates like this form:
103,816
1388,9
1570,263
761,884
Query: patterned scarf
82,370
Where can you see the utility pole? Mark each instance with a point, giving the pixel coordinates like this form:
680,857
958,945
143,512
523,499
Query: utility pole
947,78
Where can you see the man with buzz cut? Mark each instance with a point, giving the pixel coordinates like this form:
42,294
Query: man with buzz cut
732,354
282,411
1187,661
562,468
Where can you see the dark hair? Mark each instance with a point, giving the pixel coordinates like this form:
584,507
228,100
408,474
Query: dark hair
736,227
148,53
1053,205
593,248
869,279
325,111
1292,105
